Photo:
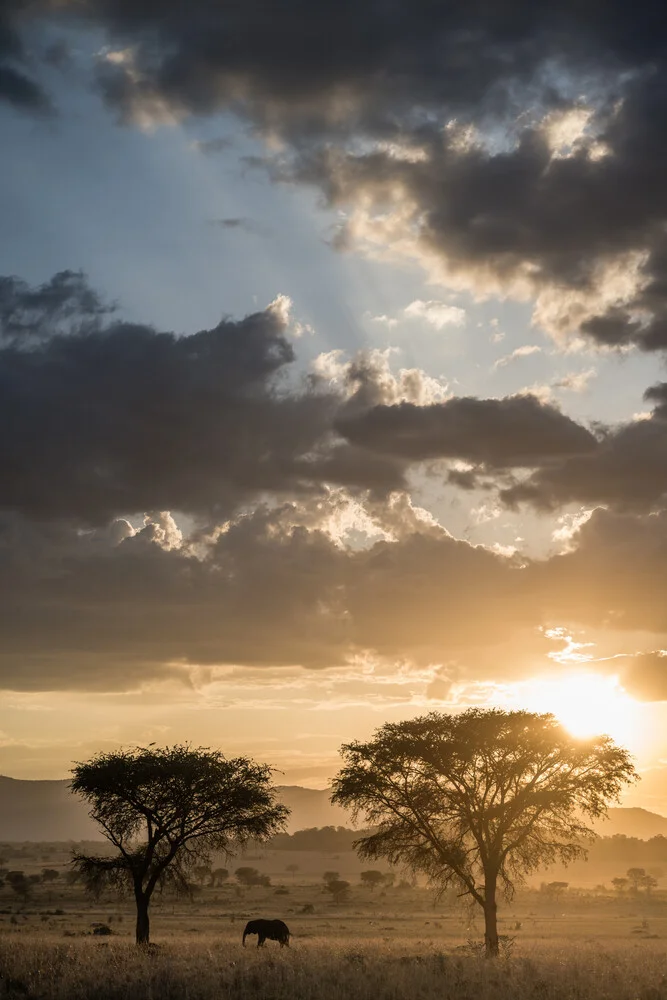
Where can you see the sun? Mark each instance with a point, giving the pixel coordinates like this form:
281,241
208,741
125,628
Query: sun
587,704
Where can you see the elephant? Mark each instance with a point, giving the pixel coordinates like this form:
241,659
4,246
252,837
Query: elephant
274,930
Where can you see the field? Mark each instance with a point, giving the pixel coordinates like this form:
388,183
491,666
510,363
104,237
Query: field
389,943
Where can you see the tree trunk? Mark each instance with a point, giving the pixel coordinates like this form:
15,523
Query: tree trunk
490,919
143,926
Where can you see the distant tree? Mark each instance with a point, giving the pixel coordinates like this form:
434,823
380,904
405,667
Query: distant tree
202,873
635,876
620,885
246,876
330,876
372,878
251,876
293,869
556,889
389,879
648,884
165,810
479,799
339,889
218,877
20,884
50,875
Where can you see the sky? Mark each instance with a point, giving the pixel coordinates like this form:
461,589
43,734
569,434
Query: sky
332,374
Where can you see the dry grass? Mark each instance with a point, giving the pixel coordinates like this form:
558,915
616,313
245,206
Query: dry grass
396,945
316,969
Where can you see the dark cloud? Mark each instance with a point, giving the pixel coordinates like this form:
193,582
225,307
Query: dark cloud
338,65
110,609
17,86
582,232
449,120
499,433
66,304
106,418
627,470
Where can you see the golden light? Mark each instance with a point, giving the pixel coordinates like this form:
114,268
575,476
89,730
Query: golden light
587,704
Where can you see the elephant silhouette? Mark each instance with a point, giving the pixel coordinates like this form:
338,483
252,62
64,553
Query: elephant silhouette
274,930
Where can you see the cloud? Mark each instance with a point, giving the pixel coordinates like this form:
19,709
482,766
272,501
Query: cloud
644,675
367,380
612,575
438,314
64,305
498,433
579,234
627,469
18,86
521,352
110,418
575,381
389,321
270,588
518,155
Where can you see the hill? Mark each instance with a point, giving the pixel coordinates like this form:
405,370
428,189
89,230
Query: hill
48,811
633,823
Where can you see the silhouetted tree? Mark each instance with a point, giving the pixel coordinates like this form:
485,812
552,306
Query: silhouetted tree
20,884
339,889
648,883
555,889
620,885
479,799
635,876
330,876
293,869
218,877
372,878
203,873
251,876
165,810
50,875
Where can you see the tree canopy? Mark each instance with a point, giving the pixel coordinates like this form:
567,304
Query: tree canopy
165,810
479,799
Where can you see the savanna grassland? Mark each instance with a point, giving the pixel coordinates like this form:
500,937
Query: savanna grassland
395,942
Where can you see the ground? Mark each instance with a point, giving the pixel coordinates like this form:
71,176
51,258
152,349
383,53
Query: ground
396,943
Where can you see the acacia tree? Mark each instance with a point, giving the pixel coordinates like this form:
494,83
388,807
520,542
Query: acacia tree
635,876
165,810
372,878
479,799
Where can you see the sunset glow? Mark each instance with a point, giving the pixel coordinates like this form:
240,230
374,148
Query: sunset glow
588,704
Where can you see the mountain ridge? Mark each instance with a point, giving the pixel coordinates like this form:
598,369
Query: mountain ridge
46,810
